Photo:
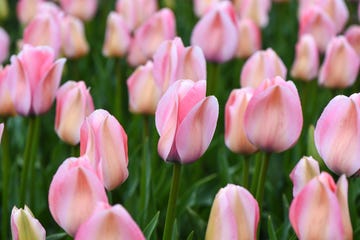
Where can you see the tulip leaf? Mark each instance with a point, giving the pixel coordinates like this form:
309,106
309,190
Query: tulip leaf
271,229
149,229
56,236
191,236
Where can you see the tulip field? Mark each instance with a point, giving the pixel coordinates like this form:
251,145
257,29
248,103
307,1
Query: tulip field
197,119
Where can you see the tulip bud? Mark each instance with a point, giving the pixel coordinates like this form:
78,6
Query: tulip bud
234,215
219,23
74,192
25,226
104,141
192,64
4,45
261,65
352,35
306,62
26,9
110,222
256,10
340,66
249,38
235,136
83,9
7,93
277,101
201,7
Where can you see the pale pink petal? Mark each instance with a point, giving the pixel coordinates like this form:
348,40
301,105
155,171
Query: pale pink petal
83,9
193,64
352,34
342,197
4,45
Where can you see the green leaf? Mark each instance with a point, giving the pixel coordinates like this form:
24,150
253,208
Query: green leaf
271,229
56,236
149,229
191,236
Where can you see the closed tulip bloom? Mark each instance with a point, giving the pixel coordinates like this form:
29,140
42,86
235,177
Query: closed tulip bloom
4,45
235,136
74,43
192,64
306,63
26,9
110,222
340,66
74,192
340,120
249,38
256,10
220,25
185,120
104,141
83,9
25,226
273,118
203,6
117,36
234,214
352,35
73,104
7,93
305,170
321,204
261,65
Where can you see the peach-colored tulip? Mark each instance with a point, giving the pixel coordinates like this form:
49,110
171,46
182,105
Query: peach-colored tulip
261,65
340,120
1,130
273,119
143,92
306,63
4,45
256,10
83,9
322,204
249,38
74,43
220,25
73,104
136,12
37,78
25,226
185,120
74,192
117,36
234,214
235,136
7,93
110,222
340,66
26,9
104,141
352,35
203,6
305,170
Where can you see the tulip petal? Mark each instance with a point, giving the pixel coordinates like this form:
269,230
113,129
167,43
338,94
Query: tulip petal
342,196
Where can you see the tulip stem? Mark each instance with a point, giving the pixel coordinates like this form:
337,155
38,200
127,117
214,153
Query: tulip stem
5,162
119,91
246,165
170,213
261,180
213,72
255,176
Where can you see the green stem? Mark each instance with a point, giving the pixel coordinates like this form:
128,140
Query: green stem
261,180
5,164
256,173
33,153
75,151
212,76
170,213
246,165
119,91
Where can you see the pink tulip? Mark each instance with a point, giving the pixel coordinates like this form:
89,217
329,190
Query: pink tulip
104,141
322,204
1,130
220,25
26,9
110,222
4,45
135,55
37,78
201,7
340,66
305,170
352,35
306,63
136,12
7,93
74,43
73,104
117,36
340,120
273,118
256,10
144,95
234,214
25,226
235,136
185,120
249,38
83,9
261,65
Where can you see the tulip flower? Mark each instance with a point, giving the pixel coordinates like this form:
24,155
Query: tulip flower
110,222
261,65
117,36
104,141
74,192
83,9
340,120
322,204
340,66
73,104
203,6
235,136
249,38
256,10
144,95
7,93
37,78
26,9
220,23
25,226
185,120
234,215
4,45
306,63
277,101
352,35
